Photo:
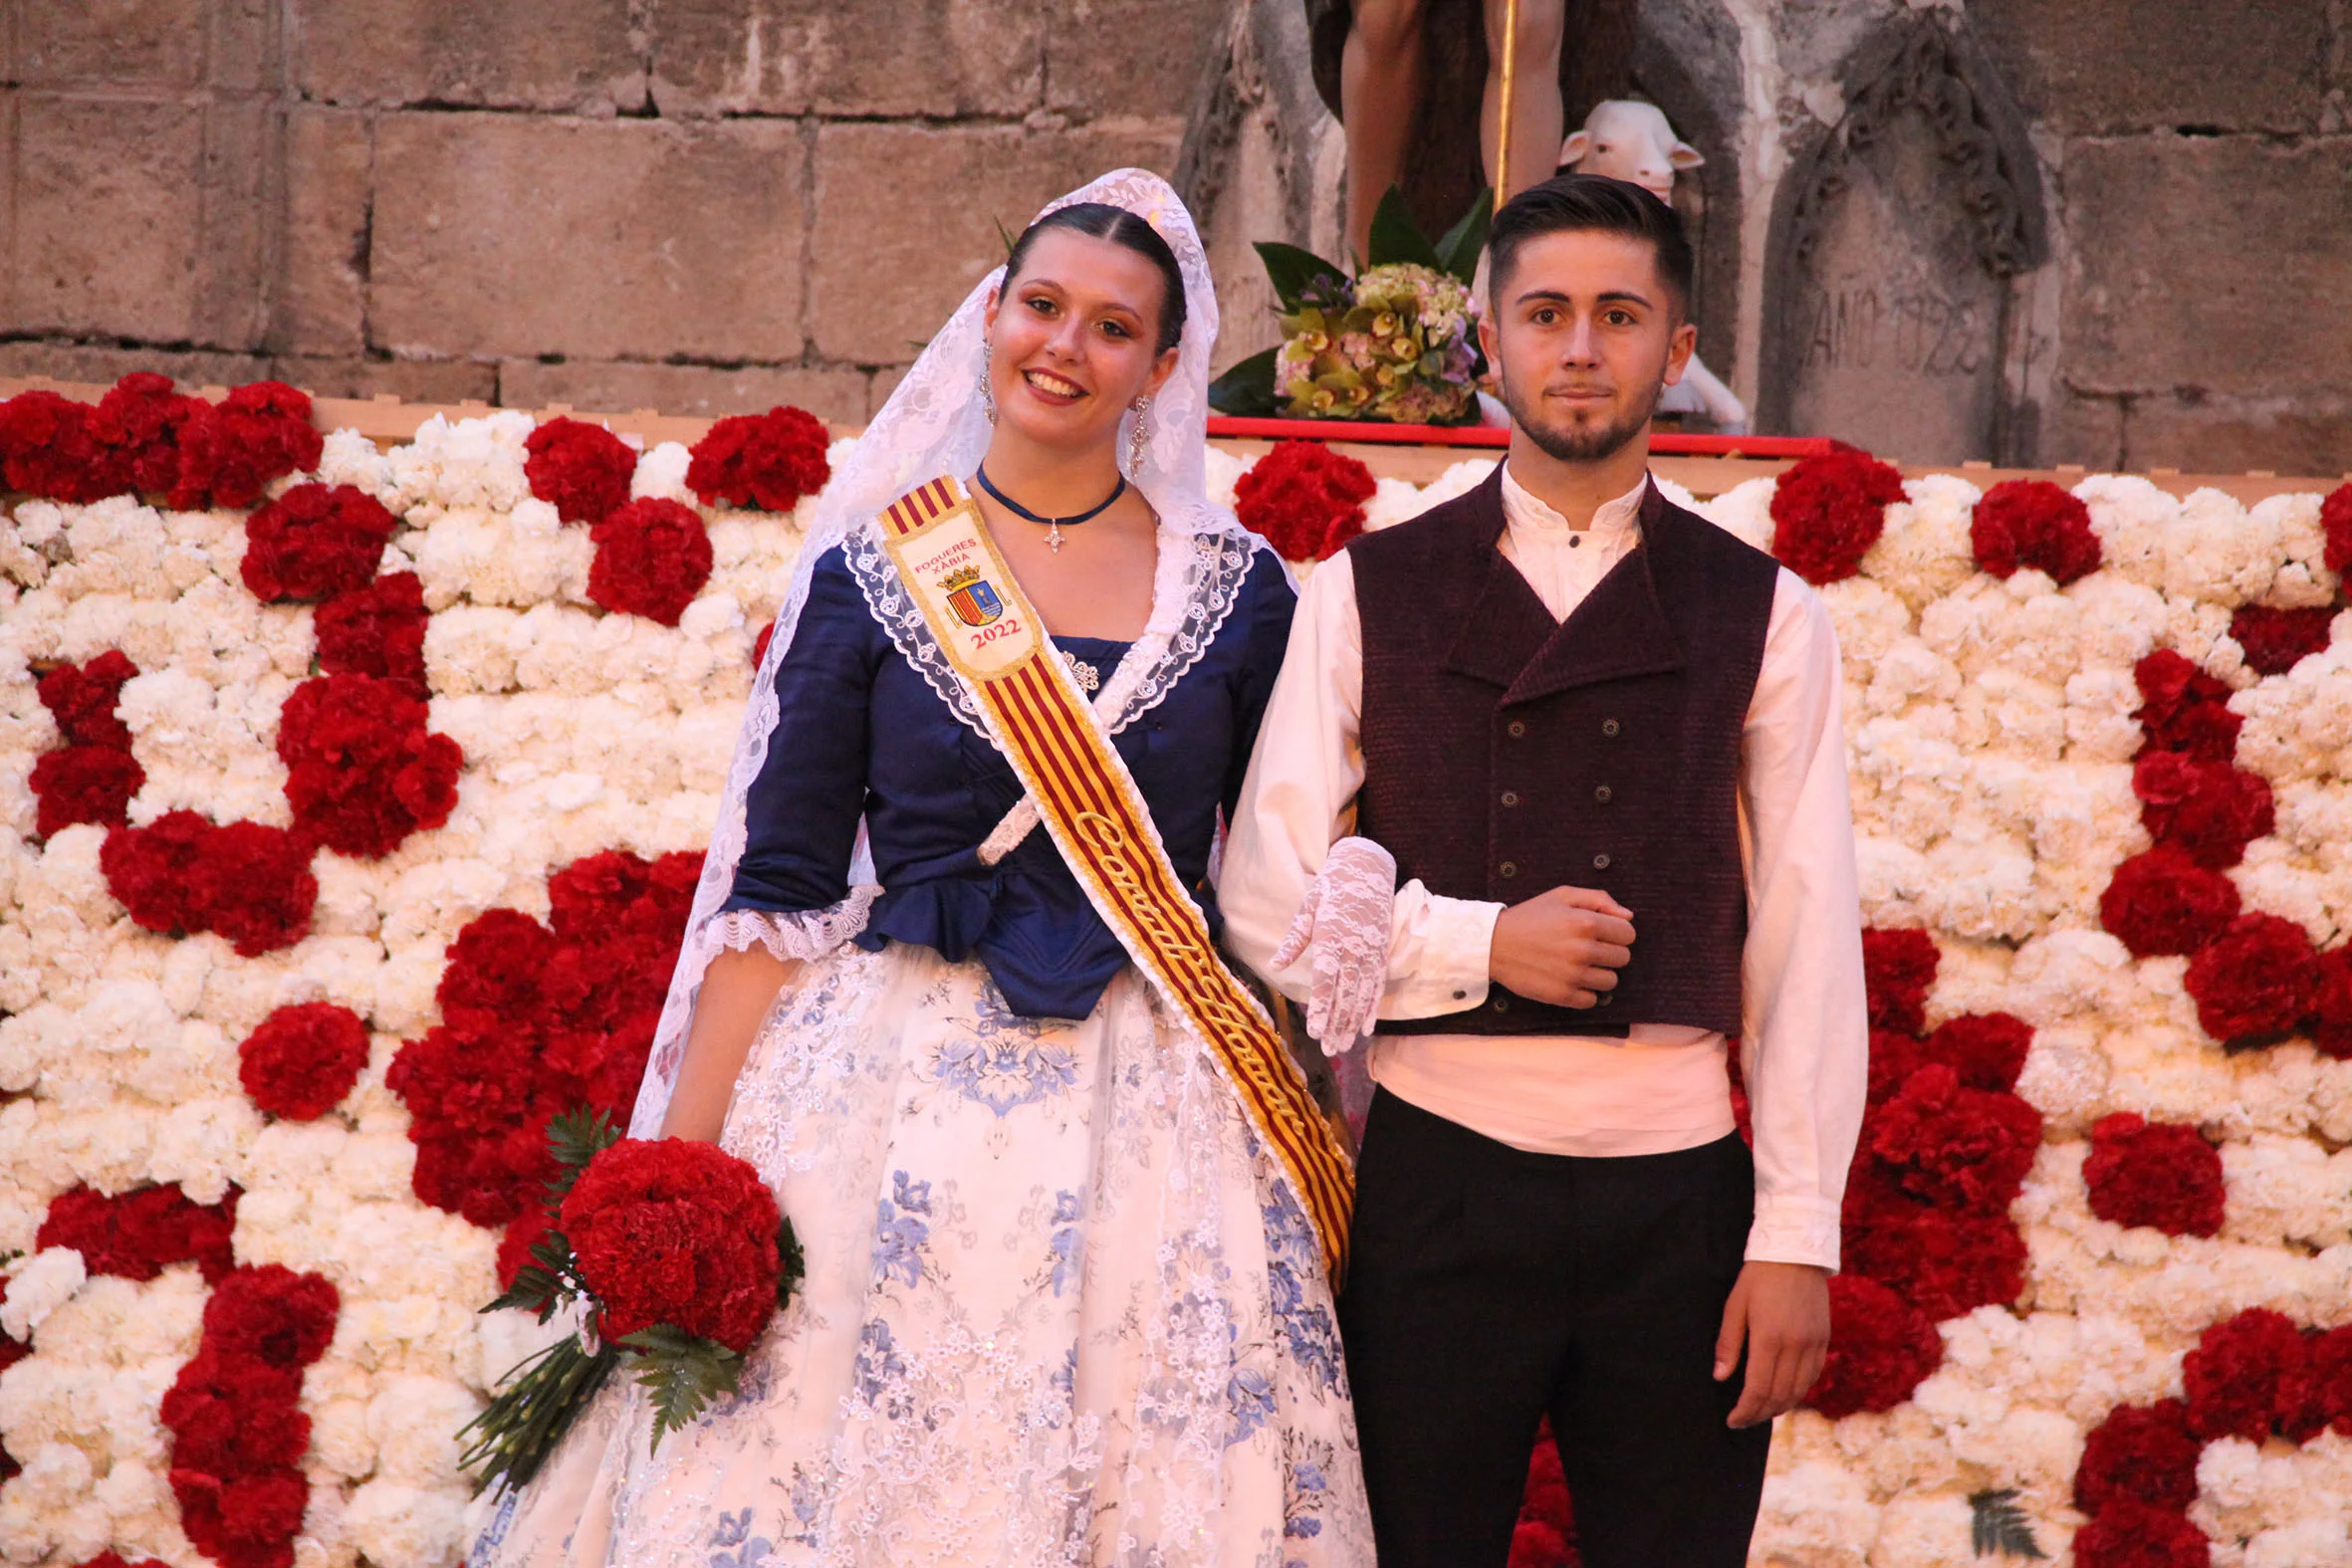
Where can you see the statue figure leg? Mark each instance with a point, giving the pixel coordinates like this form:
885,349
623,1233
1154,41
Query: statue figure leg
1380,87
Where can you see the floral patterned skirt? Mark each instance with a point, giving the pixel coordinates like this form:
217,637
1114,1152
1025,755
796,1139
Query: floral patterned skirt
1057,1310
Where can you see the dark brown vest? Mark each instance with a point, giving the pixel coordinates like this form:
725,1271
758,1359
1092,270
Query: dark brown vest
1506,753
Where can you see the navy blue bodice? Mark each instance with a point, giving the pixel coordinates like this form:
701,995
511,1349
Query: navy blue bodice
860,732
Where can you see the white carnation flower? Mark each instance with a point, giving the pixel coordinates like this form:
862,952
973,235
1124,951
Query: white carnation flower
39,1286
1744,512
661,474
407,1526
1817,1512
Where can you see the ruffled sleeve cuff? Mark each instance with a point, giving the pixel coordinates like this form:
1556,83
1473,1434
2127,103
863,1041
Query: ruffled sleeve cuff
801,933
1793,1228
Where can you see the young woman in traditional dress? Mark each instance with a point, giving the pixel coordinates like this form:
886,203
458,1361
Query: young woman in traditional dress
1064,1303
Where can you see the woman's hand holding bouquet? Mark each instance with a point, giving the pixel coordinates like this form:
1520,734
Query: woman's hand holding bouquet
676,1256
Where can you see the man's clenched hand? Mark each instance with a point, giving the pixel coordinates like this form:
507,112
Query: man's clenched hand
1563,947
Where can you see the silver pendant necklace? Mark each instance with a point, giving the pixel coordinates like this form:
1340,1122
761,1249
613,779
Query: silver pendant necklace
1052,525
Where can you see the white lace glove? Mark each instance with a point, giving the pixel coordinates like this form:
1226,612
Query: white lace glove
1344,920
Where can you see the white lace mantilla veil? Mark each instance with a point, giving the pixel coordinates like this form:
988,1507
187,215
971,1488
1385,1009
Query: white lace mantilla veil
934,423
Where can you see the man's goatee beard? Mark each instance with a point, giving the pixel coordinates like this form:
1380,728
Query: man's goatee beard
1583,445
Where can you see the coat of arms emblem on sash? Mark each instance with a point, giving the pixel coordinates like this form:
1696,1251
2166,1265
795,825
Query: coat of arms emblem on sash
972,598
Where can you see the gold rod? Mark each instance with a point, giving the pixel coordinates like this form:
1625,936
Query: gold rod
1502,127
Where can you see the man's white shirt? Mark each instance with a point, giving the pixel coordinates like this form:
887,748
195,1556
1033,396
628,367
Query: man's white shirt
1806,1035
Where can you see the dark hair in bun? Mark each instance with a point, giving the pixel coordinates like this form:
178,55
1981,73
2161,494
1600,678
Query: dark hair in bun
1101,221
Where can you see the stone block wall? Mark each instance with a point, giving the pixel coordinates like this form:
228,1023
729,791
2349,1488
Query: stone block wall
2199,160
704,206
701,206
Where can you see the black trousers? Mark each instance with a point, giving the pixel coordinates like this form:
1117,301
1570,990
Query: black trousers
1488,1286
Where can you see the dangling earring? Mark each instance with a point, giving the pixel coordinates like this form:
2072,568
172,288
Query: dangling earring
1135,440
988,393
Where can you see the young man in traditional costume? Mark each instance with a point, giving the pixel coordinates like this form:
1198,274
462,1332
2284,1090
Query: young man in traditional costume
1551,793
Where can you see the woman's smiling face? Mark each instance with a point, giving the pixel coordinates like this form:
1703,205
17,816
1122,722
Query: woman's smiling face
1072,340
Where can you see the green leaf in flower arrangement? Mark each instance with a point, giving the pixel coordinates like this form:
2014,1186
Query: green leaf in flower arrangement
1457,252
1247,390
1997,1525
1397,238
795,1264
573,1140
535,1290
683,1372
1295,272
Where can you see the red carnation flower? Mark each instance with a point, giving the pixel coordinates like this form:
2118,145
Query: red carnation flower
675,1232
2161,1175
363,772
234,1414
537,1021
1880,1348
150,868
255,886
303,1060
2129,1534
591,896
487,1179
492,980
760,644
1893,1060
2335,517
580,469
139,421
652,557
514,1247
2330,1386
2163,902
1828,510
228,454
2256,980
2140,1452
273,1314
1941,1262
2331,1004
81,699
1900,968
768,460
2276,640
316,540
2033,523
48,449
1987,1049
137,1234
2183,709
84,784
1956,1146
2245,1374
1304,499
376,630
242,1522
2209,811
1546,1536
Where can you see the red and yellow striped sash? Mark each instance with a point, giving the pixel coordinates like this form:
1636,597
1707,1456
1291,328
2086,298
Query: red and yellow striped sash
1091,806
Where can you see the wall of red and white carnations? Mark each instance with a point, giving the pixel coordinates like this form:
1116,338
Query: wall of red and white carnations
349,805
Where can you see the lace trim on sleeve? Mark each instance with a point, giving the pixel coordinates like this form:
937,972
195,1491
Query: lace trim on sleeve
804,934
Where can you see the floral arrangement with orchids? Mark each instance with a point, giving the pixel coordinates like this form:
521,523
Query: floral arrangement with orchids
1396,342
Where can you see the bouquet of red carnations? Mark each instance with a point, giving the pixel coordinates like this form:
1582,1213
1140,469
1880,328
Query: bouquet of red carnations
676,1256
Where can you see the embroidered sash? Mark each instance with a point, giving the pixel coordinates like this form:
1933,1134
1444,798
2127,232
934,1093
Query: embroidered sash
1099,820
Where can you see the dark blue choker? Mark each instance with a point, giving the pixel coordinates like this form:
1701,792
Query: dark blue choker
1053,525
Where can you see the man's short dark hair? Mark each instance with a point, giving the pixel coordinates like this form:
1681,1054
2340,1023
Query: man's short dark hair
1593,204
